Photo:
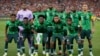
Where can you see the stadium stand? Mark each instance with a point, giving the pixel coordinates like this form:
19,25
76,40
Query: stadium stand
12,6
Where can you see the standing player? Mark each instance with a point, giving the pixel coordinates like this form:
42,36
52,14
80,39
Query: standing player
38,12
87,27
62,13
57,33
25,12
74,15
11,32
50,12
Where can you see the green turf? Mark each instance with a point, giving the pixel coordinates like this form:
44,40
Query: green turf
12,47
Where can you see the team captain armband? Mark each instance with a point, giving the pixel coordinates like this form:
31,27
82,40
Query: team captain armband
93,18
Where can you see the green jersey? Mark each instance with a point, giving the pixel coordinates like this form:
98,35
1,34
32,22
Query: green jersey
40,27
27,28
12,26
50,14
75,17
62,15
72,30
36,14
86,20
58,27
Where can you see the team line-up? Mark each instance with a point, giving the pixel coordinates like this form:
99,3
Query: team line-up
48,27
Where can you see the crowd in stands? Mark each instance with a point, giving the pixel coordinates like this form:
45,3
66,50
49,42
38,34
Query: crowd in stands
12,6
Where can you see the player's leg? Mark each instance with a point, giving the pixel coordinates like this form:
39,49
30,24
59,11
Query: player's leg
61,39
59,45
78,41
16,36
64,47
49,37
36,44
89,37
55,47
48,45
44,41
53,39
70,45
30,38
8,40
83,34
22,40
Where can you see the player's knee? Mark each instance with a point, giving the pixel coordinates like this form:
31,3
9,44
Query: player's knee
78,41
52,44
89,41
68,42
82,41
63,42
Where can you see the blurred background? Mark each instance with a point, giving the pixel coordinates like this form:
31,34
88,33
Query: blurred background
12,6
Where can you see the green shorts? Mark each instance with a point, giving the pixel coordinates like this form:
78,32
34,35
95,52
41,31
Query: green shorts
57,36
12,36
45,38
71,38
27,36
87,34
49,31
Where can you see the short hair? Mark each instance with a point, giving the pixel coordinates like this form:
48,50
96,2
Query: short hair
69,18
42,16
13,15
55,15
26,18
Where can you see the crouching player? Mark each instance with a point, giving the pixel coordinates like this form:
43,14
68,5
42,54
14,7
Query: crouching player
11,32
40,29
73,33
58,30
26,34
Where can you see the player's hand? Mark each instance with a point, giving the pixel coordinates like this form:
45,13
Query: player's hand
6,39
92,30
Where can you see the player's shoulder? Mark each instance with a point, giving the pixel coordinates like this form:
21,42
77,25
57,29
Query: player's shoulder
63,23
8,22
20,11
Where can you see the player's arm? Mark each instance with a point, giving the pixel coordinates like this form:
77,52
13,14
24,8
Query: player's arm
31,16
93,23
20,26
33,29
18,16
65,30
6,28
79,29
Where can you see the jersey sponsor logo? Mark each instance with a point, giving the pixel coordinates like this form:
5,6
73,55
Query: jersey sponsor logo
21,16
